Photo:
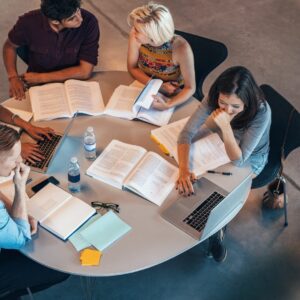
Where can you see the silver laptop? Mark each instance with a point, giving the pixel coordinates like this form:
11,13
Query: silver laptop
49,148
207,211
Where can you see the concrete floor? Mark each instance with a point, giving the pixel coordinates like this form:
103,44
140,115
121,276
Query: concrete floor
264,259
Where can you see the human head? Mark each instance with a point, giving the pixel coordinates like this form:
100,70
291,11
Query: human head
62,12
10,150
154,21
237,82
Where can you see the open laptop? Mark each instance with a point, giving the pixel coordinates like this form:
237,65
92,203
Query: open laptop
209,209
49,148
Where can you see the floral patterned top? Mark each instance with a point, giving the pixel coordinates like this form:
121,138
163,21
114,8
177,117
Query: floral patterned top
158,62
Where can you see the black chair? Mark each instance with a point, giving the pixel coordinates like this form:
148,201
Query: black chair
284,138
208,54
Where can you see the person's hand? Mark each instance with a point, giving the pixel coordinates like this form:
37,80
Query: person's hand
160,102
221,118
169,88
20,177
38,133
31,152
32,78
185,181
17,88
33,224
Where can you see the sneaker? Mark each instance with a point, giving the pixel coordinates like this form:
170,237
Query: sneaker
217,249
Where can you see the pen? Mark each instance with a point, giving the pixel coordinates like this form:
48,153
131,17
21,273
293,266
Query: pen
221,173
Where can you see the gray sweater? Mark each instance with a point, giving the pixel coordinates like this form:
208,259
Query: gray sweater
253,140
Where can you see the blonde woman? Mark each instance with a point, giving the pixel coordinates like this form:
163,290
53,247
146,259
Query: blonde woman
155,51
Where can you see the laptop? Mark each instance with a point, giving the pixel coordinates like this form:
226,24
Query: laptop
49,148
207,211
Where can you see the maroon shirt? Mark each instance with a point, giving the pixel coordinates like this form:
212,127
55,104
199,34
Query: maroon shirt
51,51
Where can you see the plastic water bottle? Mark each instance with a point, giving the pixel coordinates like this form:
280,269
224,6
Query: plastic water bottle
90,143
74,175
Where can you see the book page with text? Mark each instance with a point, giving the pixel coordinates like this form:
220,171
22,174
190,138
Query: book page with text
154,116
84,96
153,178
121,102
46,201
49,102
115,163
207,153
167,135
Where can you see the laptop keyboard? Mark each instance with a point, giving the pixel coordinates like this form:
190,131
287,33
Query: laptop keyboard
198,218
47,147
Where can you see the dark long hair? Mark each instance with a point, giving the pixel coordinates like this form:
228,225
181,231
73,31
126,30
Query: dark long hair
239,81
8,138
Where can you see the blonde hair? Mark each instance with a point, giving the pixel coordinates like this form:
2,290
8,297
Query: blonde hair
153,20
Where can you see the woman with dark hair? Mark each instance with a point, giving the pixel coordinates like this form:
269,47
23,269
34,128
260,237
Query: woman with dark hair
236,109
16,271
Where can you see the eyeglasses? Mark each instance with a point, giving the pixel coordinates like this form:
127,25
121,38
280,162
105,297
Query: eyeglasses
102,205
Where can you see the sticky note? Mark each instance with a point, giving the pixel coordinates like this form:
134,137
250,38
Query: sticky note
90,257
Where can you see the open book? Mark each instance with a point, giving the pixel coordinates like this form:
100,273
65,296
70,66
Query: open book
207,153
58,100
131,102
128,166
58,211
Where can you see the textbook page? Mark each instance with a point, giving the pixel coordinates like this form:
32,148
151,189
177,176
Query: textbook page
167,135
154,116
207,153
68,217
121,102
153,178
84,96
145,98
115,163
46,201
49,102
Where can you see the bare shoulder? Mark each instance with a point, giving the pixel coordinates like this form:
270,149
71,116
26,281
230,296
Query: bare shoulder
181,49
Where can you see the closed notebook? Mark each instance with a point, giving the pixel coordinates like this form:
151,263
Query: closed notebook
104,231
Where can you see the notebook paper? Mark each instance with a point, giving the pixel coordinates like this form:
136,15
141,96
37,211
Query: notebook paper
76,238
104,231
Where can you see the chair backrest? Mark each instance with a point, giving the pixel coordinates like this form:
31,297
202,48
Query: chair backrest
281,112
208,54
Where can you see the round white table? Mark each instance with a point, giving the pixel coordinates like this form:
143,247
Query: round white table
152,240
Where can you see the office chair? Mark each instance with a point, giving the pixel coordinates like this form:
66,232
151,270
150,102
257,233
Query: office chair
208,54
284,138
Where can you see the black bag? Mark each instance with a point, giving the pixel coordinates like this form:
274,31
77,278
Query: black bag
274,196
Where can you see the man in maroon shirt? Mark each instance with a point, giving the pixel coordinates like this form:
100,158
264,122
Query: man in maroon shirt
61,42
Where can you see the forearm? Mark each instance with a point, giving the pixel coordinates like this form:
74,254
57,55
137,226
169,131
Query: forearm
76,72
19,209
139,75
10,59
183,156
232,148
182,96
8,117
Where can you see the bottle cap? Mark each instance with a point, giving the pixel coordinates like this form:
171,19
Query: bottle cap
90,129
74,160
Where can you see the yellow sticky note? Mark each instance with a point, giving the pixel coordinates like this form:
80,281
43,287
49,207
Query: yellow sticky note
90,257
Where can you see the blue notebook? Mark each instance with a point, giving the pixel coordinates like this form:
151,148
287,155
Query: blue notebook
105,230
